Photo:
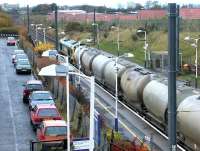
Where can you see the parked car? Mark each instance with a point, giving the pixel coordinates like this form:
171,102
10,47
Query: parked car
53,132
43,112
19,56
17,51
29,87
40,97
11,41
23,65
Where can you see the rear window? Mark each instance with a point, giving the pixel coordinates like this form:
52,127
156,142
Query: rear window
34,87
48,112
56,130
41,96
11,38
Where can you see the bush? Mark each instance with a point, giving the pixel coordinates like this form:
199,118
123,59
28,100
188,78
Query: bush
134,37
41,47
9,30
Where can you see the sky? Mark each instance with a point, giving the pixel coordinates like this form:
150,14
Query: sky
108,3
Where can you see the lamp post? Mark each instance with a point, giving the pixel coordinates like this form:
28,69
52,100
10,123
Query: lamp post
91,106
95,24
44,33
127,55
195,45
146,63
36,28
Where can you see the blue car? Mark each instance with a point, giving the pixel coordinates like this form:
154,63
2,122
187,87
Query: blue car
40,97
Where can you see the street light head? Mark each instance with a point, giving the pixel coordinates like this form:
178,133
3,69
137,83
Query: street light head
140,31
193,45
94,24
187,38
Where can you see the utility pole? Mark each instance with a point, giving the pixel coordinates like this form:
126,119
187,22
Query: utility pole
172,76
94,28
56,26
177,41
28,20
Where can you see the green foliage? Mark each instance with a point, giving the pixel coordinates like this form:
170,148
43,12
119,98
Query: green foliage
76,26
5,20
134,37
9,30
43,8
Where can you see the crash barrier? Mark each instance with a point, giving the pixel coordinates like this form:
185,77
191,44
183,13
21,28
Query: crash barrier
48,145
8,35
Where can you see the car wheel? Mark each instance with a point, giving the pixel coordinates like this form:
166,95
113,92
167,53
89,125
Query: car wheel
17,71
24,100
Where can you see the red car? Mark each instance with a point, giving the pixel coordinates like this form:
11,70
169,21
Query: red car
43,112
29,87
53,133
11,41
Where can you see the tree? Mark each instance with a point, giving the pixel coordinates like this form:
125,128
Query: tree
41,47
131,5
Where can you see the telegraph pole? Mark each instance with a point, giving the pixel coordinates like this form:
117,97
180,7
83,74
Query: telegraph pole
172,76
56,25
177,41
28,20
94,28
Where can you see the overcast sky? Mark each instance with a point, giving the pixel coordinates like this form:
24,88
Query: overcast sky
108,3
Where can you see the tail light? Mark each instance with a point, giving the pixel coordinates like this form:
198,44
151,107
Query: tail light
36,119
26,92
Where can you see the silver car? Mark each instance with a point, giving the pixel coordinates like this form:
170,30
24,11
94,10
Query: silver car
23,65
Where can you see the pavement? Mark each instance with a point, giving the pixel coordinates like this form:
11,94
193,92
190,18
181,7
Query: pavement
15,128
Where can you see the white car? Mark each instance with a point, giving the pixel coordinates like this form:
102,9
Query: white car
18,51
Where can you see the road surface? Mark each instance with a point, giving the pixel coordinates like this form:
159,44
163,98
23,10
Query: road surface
15,128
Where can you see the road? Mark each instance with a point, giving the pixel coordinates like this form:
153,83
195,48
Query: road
15,128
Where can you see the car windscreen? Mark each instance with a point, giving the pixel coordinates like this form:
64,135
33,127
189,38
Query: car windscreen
34,87
48,112
56,130
41,96
23,62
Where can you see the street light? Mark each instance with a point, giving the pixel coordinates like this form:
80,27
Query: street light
36,28
195,45
91,148
125,55
146,64
44,33
95,24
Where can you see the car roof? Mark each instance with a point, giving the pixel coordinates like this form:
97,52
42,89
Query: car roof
34,82
45,106
54,123
41,91
19,50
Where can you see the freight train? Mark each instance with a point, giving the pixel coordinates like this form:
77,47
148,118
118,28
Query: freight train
142,89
